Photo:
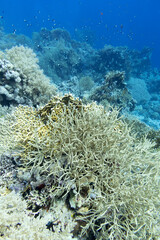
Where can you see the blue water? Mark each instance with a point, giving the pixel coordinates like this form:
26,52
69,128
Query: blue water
116,22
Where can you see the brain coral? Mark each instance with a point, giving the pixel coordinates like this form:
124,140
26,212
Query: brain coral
96,165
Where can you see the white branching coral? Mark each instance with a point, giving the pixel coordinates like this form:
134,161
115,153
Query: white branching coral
110,179
16,222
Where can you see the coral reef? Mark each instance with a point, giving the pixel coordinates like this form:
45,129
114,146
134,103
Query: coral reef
138,90
133,62
22,81
62,57
11,88
113,58
141,130
86,83
11,39
77,171
66,61
4,110
89,158
114,91
5,134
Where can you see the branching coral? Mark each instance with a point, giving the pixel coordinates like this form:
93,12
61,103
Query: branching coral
6,136
16,222
108,178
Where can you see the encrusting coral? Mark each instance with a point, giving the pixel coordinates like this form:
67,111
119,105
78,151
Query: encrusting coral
93,162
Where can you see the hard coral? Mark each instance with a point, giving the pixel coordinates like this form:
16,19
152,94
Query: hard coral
22,79
85,83
108,178
16,222
114,91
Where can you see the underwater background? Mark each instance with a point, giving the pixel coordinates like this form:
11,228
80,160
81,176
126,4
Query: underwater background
79,119
131,23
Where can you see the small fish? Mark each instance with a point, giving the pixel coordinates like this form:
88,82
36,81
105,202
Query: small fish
121,26
101,13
